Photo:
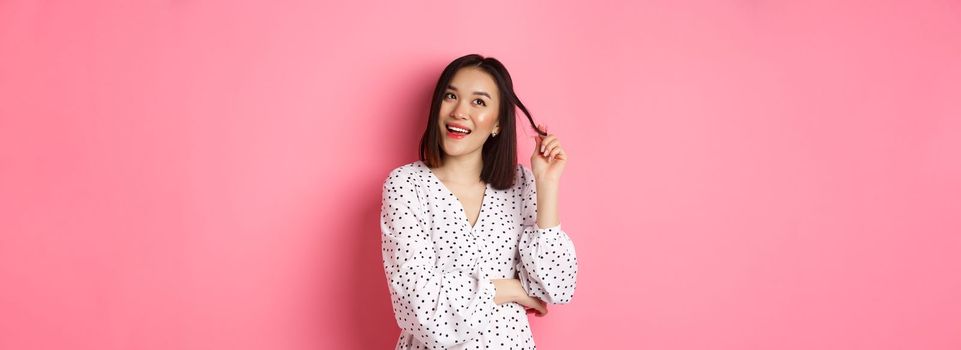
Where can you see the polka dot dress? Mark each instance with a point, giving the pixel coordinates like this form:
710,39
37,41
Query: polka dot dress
439,268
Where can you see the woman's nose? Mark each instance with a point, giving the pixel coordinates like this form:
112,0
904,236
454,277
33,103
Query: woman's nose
460,112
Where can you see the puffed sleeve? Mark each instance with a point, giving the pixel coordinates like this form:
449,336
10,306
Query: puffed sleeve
548,262
441,308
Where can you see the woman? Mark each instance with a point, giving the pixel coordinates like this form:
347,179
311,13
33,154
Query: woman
471,240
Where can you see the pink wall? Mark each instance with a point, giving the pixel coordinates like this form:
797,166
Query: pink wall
743,174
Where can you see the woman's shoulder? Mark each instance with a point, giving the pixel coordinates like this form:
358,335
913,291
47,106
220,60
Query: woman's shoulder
522,176
408,168
409,173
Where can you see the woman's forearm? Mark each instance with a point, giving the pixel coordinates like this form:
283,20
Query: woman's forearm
510,289
547,203
507,290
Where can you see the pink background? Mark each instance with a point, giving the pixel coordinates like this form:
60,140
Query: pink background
744,174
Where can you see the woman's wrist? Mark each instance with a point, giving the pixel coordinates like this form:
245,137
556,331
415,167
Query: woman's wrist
547,211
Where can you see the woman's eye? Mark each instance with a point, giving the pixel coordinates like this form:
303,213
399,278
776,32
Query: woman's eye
480,102
449,96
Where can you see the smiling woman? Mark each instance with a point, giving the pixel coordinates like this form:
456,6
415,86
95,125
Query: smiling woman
471,240
479,91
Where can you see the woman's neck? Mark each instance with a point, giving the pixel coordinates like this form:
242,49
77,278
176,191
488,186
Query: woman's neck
461,170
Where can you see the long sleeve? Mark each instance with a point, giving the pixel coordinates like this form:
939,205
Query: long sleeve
548,261
441,308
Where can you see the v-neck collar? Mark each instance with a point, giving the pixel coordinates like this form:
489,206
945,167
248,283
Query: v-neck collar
464,218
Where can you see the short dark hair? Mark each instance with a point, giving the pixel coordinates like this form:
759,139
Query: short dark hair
499,153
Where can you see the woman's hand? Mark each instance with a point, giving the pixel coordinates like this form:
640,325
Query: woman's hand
548,159
532,304
509,290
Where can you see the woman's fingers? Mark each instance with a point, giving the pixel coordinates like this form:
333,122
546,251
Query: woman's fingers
554,152
535,312
539,143
532,303
552,148
549,147
547,142
541,307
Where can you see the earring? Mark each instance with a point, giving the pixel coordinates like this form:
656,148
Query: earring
494,134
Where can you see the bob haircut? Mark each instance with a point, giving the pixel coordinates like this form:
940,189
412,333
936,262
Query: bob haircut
499,153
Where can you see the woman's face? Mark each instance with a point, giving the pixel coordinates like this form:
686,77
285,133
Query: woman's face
470,103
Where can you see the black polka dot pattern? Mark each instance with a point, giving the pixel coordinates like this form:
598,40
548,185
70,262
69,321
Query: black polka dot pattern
439,268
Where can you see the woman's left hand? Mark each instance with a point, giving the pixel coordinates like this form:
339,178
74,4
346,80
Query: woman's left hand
549,158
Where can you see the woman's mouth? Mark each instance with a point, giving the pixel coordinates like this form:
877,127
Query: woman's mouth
457,133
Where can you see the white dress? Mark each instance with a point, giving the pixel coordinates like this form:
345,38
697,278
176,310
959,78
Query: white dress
439,268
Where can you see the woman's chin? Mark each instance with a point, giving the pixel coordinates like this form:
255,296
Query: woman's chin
457,151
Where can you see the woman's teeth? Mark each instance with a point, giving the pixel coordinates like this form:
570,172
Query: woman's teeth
459,130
